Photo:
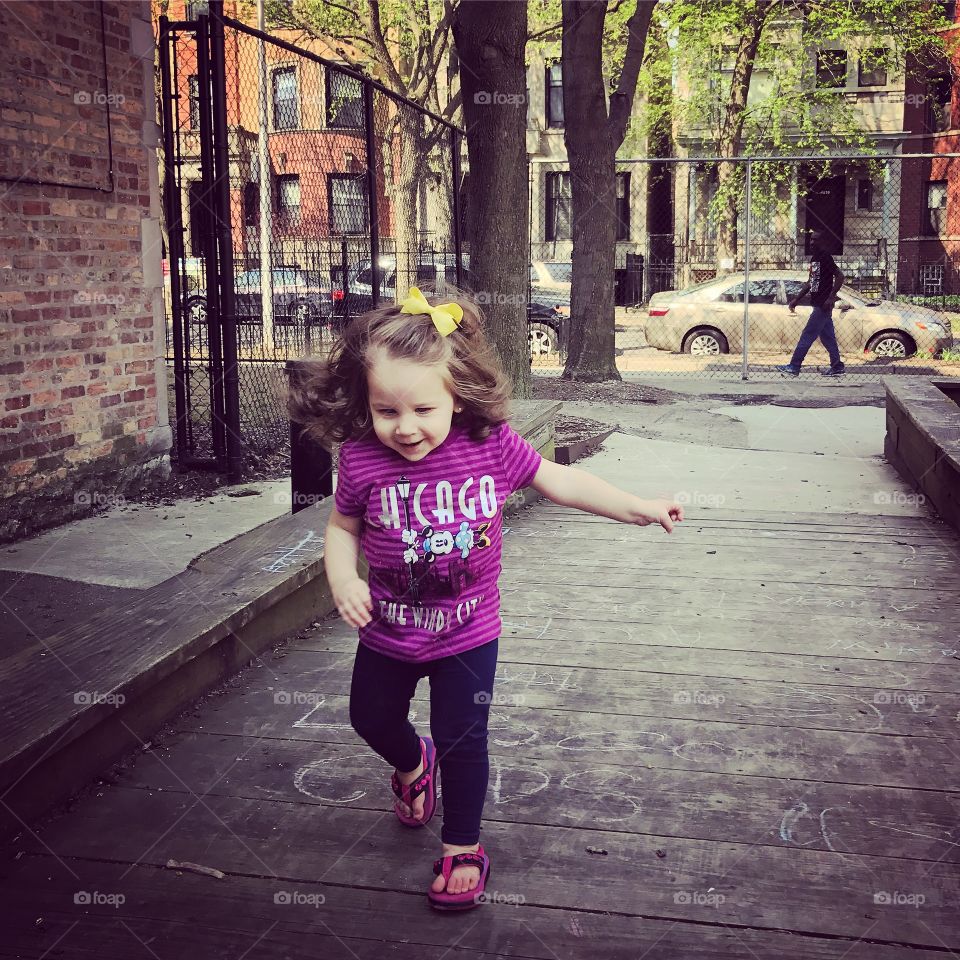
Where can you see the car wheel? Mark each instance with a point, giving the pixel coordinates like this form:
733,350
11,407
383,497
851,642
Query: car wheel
705,342
891,345
195,309
543,339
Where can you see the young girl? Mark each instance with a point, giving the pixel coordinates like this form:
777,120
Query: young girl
418,396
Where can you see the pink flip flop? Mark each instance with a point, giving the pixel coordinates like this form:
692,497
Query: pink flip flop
425,783
469,898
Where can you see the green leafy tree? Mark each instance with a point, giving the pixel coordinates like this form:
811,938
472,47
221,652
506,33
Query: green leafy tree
748,84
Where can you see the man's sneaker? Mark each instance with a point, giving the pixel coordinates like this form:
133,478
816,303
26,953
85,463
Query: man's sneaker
785,370
834,371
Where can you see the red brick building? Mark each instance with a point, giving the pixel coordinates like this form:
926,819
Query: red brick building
82,385
929,259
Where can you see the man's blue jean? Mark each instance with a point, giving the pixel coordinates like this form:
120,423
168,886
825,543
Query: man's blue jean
819,324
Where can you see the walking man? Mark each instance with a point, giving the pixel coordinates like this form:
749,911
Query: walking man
823,282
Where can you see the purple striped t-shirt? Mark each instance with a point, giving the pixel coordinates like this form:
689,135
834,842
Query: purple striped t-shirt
432,537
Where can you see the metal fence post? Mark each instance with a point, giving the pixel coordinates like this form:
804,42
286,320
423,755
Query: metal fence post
172,208
455,173
224,244
371,139
746,271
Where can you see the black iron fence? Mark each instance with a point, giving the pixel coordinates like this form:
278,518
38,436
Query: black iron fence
296,192
733,237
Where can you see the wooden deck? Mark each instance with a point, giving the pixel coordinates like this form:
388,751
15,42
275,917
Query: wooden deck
739,742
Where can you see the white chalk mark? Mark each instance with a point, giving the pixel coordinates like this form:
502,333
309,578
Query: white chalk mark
291,556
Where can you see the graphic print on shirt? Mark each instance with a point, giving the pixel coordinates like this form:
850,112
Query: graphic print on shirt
418,577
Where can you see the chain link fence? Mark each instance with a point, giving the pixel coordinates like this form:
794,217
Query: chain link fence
709,253
340,195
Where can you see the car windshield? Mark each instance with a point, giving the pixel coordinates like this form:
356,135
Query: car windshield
560,272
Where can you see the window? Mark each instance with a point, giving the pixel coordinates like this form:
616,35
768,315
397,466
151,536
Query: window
948,9
871,72
560,272
196,8
832,68
936,225
288,200
623,206
193,88
344,101
554,91
865,194
285,106
559,207
761,291
347,203
251,204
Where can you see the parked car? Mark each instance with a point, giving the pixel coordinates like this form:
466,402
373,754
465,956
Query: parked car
551,275
296,298
707,319
548,310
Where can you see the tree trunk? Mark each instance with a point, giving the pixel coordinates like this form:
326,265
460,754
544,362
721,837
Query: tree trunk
490,36
731,132
406,200
592,139
591,153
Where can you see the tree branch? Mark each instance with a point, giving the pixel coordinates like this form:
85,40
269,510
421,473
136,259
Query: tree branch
380,45
621,101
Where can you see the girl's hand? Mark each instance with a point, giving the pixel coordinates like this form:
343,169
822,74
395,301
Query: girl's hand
353,601
664,512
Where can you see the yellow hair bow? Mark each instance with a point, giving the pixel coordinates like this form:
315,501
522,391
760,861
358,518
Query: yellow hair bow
446,317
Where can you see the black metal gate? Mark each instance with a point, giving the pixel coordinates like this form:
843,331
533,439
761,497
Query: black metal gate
297,192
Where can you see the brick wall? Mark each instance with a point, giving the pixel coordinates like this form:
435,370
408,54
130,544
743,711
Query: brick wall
82,385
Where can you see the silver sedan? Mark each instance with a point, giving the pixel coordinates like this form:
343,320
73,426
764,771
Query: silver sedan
707,319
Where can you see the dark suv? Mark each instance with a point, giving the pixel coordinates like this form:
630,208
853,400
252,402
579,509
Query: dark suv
548,310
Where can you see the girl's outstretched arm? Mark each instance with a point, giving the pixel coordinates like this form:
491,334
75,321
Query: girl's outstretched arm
584,491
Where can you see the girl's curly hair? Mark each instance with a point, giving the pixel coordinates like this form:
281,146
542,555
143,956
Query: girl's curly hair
329,396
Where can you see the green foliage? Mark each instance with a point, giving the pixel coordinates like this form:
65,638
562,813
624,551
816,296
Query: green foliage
786,112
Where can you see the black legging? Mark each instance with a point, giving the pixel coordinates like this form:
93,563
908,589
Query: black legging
461,687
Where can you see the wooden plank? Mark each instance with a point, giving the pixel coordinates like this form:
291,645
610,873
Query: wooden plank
722,565
935,675
820,636
749,749
771,702
617,796
170,916
527,594
762,887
